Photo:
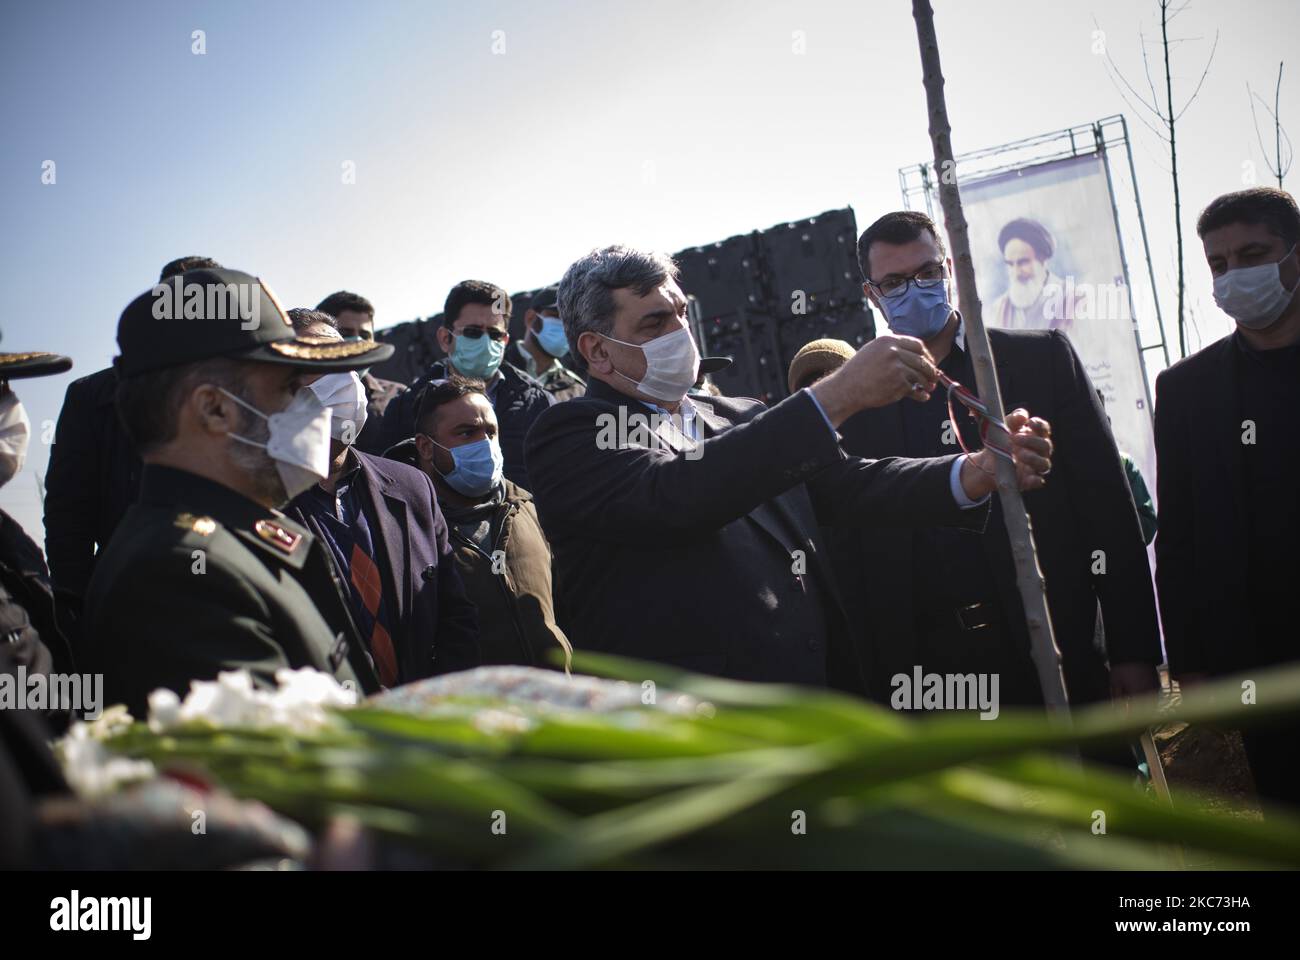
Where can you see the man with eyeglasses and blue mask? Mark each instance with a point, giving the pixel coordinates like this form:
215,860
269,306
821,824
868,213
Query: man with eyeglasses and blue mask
473,337
946,601
685,529
355,316
1227,462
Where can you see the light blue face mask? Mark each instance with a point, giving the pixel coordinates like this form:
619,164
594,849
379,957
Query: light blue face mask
478,467
920,312
479,358
552,337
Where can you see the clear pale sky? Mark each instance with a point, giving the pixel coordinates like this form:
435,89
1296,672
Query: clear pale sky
500,140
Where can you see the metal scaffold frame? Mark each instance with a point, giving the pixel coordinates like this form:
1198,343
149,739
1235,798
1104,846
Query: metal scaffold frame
1086,139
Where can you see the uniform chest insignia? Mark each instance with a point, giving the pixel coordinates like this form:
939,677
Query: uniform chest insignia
278,536
203,526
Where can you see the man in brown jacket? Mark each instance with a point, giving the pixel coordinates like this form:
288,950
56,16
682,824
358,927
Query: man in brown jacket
503,557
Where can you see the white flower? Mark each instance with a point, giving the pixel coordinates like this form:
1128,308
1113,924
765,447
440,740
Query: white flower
90,769
300,703
164,710
109,723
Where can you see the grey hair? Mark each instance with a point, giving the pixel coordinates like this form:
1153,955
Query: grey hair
586,296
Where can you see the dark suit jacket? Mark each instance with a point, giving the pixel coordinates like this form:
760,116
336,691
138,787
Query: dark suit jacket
1086,506
1201,537
94,476
379,394
433,625
691,560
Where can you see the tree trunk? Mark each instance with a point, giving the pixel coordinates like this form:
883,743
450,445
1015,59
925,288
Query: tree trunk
1173,161
1029,578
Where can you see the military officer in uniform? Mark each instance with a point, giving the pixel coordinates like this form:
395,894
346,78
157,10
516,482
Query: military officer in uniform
205,573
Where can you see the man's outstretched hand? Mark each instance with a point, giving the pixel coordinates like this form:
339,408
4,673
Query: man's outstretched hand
885,370
1031,445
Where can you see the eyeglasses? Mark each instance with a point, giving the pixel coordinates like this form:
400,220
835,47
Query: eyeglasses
928,276
496,334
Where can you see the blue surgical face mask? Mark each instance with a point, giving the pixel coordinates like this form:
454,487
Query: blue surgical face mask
478,467
920,312
552,337
479,358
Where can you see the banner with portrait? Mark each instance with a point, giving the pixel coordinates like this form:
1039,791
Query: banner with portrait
1047,256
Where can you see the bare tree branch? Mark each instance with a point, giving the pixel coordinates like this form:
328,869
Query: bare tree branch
1277,167
1146,68
1279,133
1137,114
1162,110
1255,120
1114,67
1204,74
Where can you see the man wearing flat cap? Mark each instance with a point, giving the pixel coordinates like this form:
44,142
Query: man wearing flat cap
205,573
816,360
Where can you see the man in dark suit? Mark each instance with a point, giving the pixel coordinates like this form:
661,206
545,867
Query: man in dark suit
473,337
94,473
684,531
387,537
1228,458
949,602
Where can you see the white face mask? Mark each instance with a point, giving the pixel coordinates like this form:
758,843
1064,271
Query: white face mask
15,434
672,365
1253,296
344,394
299,442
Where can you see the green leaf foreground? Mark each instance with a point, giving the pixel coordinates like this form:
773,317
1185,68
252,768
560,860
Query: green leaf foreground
720,787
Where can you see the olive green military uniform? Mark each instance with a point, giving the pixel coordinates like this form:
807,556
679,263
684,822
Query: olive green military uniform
198,579
561,382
